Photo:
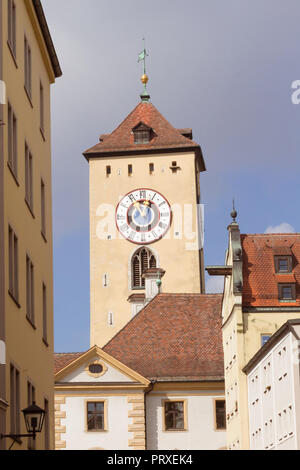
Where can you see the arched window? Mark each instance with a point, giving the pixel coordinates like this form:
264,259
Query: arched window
142,259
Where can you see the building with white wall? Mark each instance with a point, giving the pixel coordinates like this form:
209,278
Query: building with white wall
158,384
274,391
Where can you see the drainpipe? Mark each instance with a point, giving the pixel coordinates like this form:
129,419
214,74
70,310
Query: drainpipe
3,403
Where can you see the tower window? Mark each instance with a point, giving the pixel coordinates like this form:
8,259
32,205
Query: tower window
130,170
108,170
142,259
151,168
142,134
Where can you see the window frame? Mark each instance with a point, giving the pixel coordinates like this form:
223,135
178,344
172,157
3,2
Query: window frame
45,313
15,402
289,260
27,68
215,415
281,286
29,178
185,415
12,27
136,254
13,265
105,407
30,291
43,210
12,134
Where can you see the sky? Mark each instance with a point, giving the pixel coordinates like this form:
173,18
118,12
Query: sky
225,69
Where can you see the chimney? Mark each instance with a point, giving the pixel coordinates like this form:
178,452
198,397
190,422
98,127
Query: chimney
153,282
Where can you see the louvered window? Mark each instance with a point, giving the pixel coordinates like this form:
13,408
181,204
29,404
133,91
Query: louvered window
142,259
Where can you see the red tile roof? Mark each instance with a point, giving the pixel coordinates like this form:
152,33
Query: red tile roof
166,137
61,360
175,335
260,279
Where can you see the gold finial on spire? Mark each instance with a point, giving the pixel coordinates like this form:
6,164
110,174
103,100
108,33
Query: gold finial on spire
144,79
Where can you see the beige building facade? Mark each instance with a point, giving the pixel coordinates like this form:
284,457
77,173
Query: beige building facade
29,66
144,213
261,275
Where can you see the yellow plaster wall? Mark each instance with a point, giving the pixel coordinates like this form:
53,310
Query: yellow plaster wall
25,346
112,257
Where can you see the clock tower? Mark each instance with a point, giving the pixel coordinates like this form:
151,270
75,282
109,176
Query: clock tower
144,215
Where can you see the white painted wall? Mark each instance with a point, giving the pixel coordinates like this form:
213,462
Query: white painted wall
116,437
273,387
201,432
111,375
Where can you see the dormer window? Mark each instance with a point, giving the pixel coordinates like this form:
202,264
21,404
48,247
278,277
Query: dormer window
283,264
142,134
287,292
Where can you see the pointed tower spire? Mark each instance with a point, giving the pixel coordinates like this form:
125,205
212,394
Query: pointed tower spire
144,79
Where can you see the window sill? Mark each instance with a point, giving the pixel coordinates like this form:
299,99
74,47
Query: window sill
43,134
12,54
14,299
289,301
28,96
29,208
30,322
175,430
96,430
13,174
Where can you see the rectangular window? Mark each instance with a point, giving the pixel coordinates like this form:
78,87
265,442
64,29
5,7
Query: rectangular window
129,170
42,108
174,416
47,425
30,400
29,290
12,141
12,26
43,208
96,416
283,264
151,168
27,67
13,264
45,329
287,292
108,170
28,178
220,413
14,400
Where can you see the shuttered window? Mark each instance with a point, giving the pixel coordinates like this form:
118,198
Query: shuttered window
142,259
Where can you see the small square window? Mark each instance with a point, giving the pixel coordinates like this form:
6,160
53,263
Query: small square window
265,339
108,170
287,292
283,264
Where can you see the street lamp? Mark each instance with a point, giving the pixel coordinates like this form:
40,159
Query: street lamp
34,420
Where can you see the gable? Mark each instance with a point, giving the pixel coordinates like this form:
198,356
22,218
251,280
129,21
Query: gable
106,369
109,373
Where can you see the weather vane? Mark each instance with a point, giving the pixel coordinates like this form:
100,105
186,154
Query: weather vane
144,79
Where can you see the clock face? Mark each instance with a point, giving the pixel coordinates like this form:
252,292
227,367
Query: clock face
143,216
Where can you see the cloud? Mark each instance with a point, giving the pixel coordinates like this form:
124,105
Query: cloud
284,227
215,285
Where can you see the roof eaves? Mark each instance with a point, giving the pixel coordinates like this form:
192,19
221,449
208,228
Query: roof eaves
47,37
